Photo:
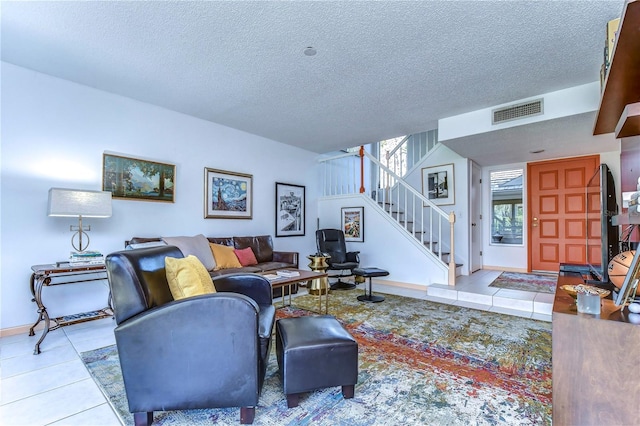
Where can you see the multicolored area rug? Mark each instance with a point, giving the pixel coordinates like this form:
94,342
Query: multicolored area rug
535,283
420,363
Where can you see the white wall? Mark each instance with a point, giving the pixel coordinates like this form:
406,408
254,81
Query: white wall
54,133
383,247
562,103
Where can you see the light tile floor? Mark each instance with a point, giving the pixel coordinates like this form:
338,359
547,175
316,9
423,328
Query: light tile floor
54,388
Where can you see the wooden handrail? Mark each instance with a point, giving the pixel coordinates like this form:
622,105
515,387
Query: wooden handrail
361,153
452,261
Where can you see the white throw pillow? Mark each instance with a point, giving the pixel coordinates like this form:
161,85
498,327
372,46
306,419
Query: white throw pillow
197,246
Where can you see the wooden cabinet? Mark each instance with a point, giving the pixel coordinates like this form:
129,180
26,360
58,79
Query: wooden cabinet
619,109
595,364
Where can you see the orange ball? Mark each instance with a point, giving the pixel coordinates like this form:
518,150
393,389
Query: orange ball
618,268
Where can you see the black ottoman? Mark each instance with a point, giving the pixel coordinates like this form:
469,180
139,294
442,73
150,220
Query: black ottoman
369,273
315,352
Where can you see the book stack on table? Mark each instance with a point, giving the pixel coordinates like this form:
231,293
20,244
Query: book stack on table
86,258
287,274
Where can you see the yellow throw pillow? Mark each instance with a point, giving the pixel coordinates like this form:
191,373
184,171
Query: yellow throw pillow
225,257
187,277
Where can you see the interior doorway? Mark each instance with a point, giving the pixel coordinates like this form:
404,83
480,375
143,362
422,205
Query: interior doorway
476,217
557,211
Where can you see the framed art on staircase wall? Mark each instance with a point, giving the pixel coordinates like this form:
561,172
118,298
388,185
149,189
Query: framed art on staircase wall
352,220
438,184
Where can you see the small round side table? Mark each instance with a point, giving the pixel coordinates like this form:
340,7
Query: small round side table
318,286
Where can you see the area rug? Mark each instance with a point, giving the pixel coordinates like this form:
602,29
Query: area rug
419,363
535,283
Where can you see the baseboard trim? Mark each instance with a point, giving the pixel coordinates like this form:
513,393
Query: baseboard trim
410,286
12,331
505,268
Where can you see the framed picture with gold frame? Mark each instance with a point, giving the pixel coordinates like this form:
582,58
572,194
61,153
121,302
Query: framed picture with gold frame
132,178
227,195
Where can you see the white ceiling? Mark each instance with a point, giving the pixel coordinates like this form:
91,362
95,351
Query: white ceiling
383,69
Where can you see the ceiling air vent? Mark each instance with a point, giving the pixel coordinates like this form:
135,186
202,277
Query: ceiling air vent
517,111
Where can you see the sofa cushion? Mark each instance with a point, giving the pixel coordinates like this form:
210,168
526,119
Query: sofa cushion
197,246
225,241
262,246
225,257
246,256
187,277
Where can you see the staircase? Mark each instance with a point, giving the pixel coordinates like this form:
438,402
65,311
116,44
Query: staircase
359,173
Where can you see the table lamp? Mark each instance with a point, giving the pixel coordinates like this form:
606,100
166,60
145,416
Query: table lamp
79,203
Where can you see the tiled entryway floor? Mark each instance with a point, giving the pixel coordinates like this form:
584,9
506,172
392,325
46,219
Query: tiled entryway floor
54,388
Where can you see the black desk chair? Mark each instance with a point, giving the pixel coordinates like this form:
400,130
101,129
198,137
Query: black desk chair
331,242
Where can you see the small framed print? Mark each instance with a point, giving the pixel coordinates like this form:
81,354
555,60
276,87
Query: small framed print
353,224
438,184
290,210
227,195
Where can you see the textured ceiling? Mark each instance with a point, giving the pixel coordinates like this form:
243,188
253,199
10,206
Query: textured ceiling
383,69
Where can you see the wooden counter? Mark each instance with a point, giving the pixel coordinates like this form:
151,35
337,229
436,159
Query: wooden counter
596,361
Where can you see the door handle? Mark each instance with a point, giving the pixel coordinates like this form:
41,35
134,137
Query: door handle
534,222
473,224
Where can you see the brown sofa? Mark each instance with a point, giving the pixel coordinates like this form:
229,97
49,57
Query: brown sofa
262,247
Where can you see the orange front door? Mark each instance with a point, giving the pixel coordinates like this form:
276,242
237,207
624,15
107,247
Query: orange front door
557,211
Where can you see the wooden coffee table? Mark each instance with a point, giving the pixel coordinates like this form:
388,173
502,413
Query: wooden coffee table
289,281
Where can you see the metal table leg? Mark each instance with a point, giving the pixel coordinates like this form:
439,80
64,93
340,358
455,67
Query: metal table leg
370,297
36,285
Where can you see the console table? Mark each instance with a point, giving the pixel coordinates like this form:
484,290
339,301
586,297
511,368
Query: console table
52,275
595,361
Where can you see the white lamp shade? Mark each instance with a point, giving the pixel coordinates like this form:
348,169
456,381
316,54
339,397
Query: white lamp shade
75,203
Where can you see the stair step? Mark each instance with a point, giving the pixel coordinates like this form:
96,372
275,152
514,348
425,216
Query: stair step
389,210
386,205
408,225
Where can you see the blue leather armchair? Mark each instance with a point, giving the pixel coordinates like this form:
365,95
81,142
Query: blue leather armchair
201,352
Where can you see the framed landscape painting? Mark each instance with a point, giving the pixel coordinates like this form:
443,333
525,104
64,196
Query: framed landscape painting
227,195
136,179
352,219
290,210
437,184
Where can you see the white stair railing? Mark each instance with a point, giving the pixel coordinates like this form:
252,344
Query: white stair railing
407,151
347,174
